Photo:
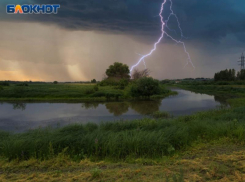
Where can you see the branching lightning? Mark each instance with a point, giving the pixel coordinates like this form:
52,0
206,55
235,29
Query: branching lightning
164,24
142,60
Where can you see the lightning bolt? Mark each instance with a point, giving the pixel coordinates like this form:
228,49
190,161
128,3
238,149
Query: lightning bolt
142,60
162,35
177,19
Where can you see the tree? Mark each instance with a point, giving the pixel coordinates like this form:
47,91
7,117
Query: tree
145,87
241,75
93,81
118,70
225,75
55,82
140,74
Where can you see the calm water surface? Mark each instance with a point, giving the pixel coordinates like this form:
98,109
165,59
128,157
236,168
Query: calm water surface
19,117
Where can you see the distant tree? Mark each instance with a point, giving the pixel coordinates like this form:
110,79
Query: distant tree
225,75
93,81
140,74
241,75
55,82
118,70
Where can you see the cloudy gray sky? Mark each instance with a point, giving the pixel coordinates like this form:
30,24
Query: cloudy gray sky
86,36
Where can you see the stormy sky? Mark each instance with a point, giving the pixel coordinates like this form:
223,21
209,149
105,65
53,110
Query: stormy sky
86,36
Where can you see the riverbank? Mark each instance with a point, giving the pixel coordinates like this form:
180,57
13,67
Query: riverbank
206,146
68,92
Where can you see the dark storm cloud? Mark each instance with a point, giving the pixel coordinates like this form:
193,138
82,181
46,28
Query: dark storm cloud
206,20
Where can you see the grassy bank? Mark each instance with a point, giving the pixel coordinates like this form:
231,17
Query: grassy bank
206,146
67,92
150,138
217,161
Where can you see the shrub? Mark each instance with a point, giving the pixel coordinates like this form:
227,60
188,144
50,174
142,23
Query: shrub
110,82
123,83
145,87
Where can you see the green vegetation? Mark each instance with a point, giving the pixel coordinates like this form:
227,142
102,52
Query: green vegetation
69,92
229,75
4,84
206,146
161,114
241,75
145,138
145,87
226,75
217,161
118,70
93,81
116,86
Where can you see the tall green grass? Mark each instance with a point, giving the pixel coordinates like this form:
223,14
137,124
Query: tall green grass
118,140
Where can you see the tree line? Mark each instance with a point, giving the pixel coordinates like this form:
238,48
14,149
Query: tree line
229,75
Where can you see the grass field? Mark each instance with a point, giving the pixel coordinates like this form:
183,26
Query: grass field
65,92
220,160
206,146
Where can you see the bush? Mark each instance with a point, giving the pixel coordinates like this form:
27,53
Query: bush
123,83
110,82
145,87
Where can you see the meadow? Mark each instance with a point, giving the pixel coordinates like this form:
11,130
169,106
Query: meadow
206,146
67,92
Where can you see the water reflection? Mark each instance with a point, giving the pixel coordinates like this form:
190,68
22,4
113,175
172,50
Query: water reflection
23,116
88,105
221,99
119,108
145,107
116,108
20,106
142,107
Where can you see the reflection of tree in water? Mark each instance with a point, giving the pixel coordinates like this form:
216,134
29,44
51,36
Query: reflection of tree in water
21,106
117,108
221,99
88,105
146,107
